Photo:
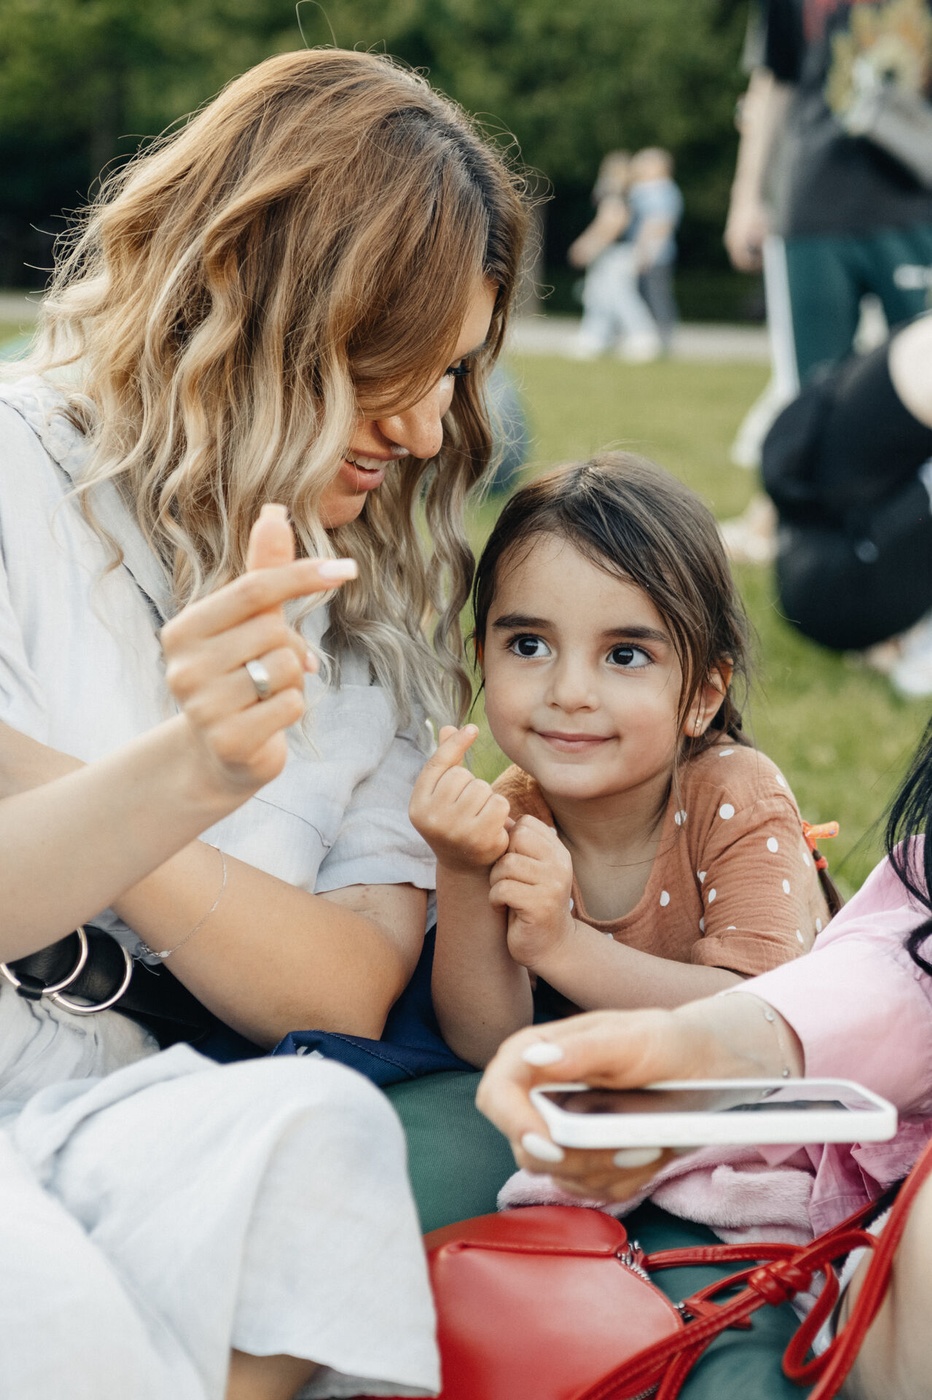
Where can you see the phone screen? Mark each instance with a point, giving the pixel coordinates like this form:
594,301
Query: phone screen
719,1100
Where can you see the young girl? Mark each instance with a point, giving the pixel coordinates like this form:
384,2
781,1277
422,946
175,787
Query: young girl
640,851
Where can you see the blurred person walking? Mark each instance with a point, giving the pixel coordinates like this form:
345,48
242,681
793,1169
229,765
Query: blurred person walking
656,204
832,194
614,311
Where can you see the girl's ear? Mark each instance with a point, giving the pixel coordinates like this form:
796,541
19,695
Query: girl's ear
705,705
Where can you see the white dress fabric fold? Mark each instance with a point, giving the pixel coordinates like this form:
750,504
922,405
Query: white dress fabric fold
169,1211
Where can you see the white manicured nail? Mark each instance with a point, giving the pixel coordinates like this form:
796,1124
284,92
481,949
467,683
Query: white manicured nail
542,1148
271,511
637,1156
542,1052
337,568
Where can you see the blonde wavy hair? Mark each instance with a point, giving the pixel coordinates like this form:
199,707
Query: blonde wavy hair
305,246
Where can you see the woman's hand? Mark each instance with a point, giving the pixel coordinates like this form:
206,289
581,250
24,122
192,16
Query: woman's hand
723,1037
138,806
463,820
240,735
615,1049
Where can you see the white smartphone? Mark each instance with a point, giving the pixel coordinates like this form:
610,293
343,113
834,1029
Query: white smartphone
705,1112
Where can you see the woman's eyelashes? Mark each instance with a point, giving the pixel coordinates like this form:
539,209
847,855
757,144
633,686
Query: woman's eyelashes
459,370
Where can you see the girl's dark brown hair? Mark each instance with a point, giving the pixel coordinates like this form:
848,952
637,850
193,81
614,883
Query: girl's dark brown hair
636,521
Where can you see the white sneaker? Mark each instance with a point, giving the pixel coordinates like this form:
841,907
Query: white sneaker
911,675
882,656
751,538
583,348
640,349
756,424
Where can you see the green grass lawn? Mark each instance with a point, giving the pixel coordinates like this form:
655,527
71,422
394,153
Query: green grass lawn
836,729
13,336
839,733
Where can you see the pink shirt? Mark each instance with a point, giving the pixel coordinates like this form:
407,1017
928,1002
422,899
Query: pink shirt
862,1010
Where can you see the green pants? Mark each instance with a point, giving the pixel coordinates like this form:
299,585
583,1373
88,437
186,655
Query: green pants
458,1162
828,274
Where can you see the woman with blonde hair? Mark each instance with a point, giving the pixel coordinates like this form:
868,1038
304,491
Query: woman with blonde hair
295,297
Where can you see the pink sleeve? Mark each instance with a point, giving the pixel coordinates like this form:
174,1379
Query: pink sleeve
860,1006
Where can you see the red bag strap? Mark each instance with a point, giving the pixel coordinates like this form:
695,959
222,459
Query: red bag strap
837,1361
790,1270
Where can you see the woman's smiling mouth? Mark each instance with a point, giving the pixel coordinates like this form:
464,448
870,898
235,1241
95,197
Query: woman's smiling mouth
365,473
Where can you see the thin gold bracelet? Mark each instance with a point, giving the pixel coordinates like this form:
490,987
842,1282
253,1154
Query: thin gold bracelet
167,952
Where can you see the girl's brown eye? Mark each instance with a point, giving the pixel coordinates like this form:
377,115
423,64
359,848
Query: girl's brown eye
630,658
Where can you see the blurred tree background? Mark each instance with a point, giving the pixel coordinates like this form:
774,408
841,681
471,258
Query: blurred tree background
84,82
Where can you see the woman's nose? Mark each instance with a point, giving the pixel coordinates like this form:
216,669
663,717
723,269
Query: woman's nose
419,428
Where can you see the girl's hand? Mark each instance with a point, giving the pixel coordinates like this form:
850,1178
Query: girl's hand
461,818
533,881
240,738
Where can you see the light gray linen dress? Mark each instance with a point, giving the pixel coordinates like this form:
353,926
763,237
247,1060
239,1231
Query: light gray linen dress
161,1213
157,1208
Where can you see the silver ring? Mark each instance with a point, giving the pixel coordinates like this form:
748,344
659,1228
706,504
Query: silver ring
259,675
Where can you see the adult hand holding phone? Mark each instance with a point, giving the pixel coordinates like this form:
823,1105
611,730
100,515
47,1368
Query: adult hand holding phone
725,1037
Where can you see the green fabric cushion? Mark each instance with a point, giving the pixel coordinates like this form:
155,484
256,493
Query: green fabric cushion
458,1162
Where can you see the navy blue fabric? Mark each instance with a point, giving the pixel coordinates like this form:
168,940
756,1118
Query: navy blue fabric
411,1044
226,1046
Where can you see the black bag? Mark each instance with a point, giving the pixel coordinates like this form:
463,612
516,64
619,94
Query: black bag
842,465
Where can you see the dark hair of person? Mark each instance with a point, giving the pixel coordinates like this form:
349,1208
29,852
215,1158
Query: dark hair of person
909,815
639,523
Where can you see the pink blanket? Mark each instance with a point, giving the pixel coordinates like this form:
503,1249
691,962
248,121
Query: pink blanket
741,1199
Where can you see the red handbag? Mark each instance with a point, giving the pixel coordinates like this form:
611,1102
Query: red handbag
540,1303
555,1303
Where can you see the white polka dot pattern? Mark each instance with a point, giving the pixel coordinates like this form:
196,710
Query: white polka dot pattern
710,884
